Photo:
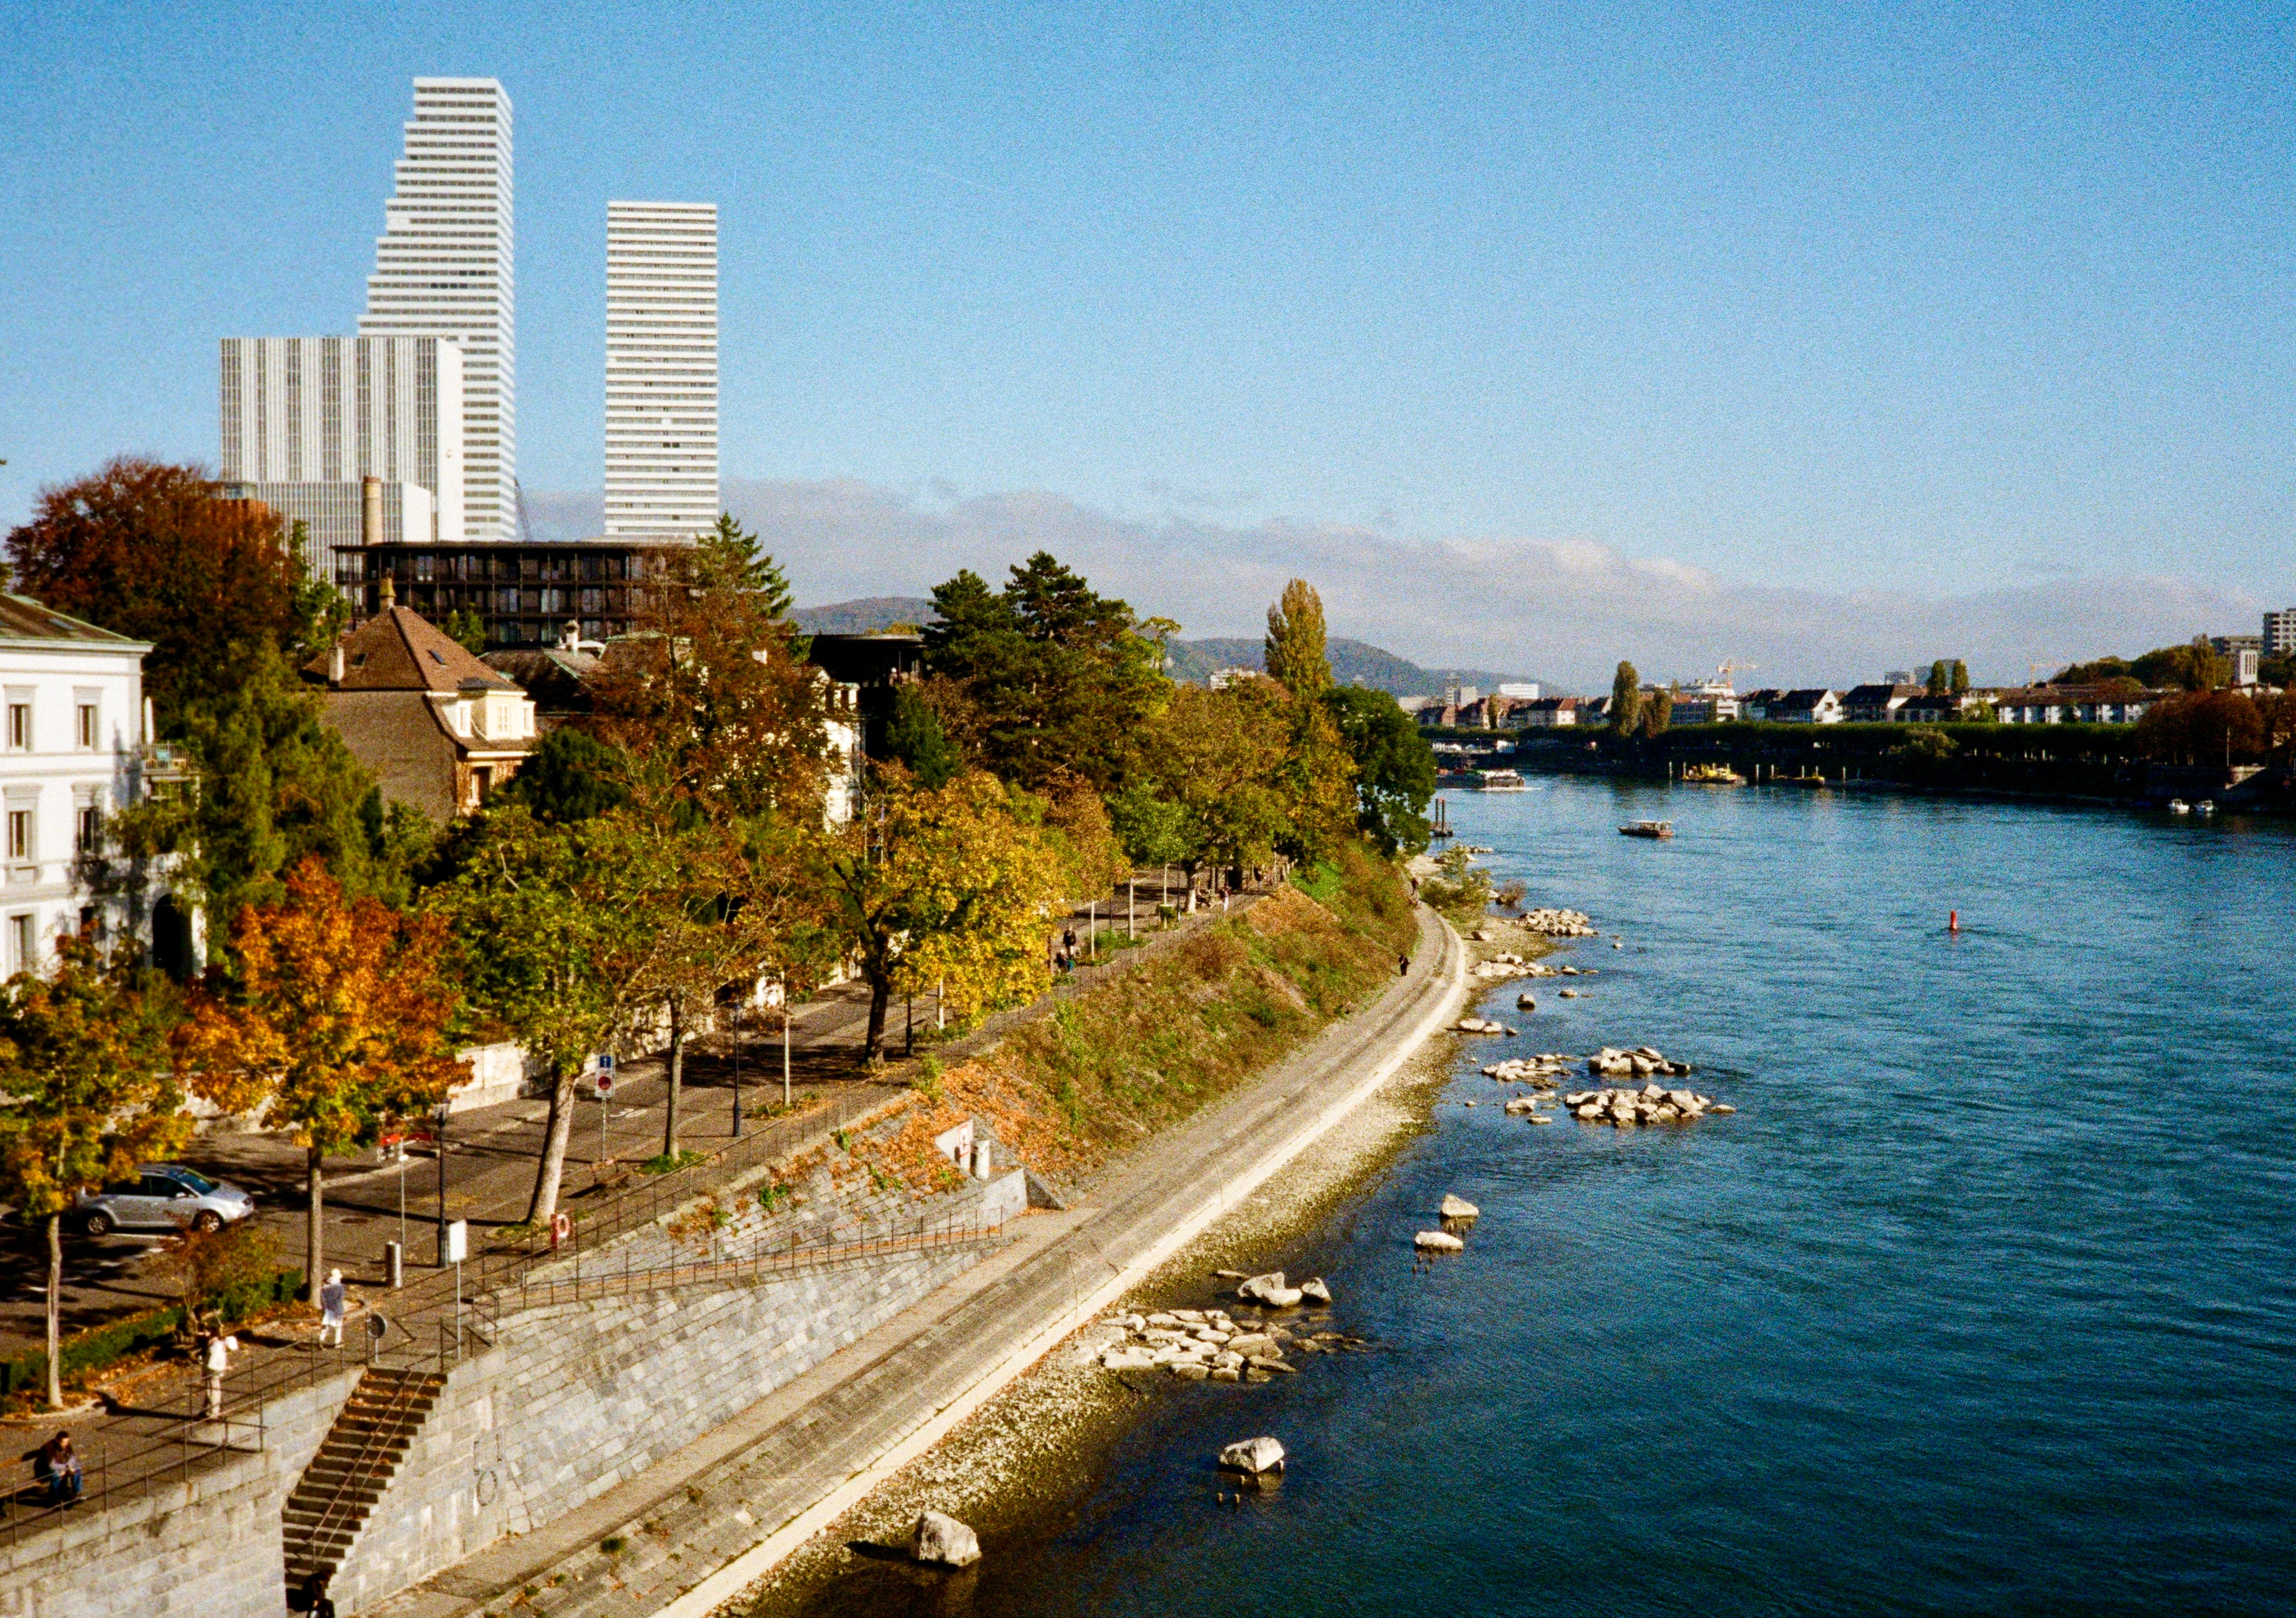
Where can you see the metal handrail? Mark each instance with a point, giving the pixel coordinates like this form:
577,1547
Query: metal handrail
410,1385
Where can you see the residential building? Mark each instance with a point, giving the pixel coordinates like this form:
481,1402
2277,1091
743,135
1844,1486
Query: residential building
873,668
1877,704
74,750
2279,637
1547,712
661,369
1522,690
443,268
1925,708
524,594
1900,676
305,421
555,678
2070,704
2243,652
438,729
1220,679
1810,704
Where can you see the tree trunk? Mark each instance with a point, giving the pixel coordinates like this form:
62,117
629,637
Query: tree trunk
553,1166
677,1081
880,997
314,1231
55,1311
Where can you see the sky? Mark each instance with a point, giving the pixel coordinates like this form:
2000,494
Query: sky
1545,335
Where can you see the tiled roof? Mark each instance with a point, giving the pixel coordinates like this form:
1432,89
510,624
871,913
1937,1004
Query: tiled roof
400,651
22,618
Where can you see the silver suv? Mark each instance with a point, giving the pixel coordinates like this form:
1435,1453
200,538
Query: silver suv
161,1196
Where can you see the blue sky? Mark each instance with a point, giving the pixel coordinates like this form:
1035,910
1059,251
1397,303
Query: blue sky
1944,299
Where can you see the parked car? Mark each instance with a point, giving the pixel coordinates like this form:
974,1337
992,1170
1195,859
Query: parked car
161,1196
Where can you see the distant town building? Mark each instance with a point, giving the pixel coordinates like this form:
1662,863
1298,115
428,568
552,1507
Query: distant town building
1877,704
1548,713
1807,706
522,594
2279,637
661,369
436,728
2067,704
443,268
1220,679
2243,652
1951,708
1898,676
1521,691
304,421
73,752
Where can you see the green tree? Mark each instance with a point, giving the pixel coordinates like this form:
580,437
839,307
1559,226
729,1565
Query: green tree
1295,650
946,886
1957,678
917,738
728,558
572,776
1625,699
85,1092
466,629
1152,828
1658,712
147,550
1941,680
1395,767
331,1019
1221,755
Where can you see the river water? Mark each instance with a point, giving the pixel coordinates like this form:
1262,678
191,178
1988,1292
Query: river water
1984,1302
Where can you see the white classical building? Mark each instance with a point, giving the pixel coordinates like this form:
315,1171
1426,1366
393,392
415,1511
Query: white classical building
661,369
305,419
443,268
72,751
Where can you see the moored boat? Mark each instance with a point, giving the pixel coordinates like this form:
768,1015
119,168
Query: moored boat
1502,781
1647,828
2177,805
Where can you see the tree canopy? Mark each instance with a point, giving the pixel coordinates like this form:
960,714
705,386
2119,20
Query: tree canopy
1295,651
2193,667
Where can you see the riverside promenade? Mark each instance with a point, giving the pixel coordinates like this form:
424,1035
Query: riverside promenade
699,1527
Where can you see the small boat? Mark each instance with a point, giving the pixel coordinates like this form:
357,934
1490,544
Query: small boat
1712,775
1502,780
1647,828
2207,806
2177,805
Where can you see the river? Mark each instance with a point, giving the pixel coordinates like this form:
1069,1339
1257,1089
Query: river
1983,1303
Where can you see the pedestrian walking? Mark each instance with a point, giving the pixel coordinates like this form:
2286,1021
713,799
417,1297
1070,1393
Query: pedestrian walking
333,1297
55,1467
1403,966
311,1596
219,1350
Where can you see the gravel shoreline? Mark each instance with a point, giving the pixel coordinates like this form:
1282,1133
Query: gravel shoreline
1038,1445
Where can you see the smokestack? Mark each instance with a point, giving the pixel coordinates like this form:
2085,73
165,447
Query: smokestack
370,511
335,665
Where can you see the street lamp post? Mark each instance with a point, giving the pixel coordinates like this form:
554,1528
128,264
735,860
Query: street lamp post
734,1019
440,1117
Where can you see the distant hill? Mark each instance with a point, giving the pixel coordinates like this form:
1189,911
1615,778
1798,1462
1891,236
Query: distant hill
859,618
1353,662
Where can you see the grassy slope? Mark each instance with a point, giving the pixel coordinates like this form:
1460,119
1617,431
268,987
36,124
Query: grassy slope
1111,1065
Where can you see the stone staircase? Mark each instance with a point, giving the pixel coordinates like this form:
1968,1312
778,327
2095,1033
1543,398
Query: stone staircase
354,1465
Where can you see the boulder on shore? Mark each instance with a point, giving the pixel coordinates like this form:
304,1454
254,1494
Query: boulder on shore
1256,1289
1252,1456
1438,1241
1315,1290
940,1539
1459,1207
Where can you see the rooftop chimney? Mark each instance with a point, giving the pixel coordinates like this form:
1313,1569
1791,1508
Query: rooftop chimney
390,593
335,665
370,511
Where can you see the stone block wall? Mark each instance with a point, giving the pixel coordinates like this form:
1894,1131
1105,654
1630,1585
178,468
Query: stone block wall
578,1397
203,1549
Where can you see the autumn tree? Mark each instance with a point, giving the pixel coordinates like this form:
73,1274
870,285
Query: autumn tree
2201,728
331,1019
944,885
1220,756
147,550
85,1091
1625,699
1295,650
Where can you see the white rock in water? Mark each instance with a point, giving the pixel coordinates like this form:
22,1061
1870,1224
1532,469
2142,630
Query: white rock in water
1438,1241
941,1538
1524,1002
1316,1291
1250,1342
1520,1105
1258,1287
1253,1456
1288,1297
1459,1207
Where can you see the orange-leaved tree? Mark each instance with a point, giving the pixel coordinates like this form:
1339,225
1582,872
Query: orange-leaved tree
85,1091
331,1019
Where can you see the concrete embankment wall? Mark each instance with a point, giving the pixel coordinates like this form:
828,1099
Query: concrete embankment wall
202,1548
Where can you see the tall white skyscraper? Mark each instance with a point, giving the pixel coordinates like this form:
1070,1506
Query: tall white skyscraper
661,369
443,268
304,418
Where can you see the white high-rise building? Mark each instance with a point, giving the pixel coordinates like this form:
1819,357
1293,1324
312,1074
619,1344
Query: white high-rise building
2279,638
442,268
661,369
305,419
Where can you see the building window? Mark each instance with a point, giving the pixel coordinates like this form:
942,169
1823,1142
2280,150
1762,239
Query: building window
23,956
19,727
90,828
20,834
90,732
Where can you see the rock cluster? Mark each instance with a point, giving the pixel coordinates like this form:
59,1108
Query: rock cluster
1640,1063
1476,1024
1625,1108
1559,923
1540,1072
1500,968
1210,1344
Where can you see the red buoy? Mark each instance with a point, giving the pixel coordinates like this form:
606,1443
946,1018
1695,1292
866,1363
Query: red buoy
1953,921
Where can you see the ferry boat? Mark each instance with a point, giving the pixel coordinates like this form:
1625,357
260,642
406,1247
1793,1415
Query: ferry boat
1502,781
1647,828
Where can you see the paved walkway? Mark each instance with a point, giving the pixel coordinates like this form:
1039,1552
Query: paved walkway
717,1515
